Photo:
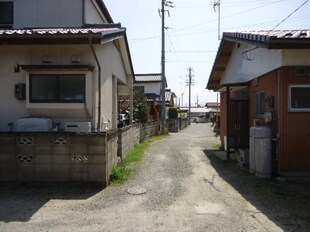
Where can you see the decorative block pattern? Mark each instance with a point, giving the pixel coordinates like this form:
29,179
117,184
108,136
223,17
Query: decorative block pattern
61,141
24,158
79,158
24,141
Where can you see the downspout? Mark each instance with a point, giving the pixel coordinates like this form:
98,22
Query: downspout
227,121
280,118
99,83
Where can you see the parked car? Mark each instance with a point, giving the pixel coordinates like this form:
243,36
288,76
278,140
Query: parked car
123,120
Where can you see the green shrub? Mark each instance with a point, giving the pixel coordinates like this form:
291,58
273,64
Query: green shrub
173,112
141,108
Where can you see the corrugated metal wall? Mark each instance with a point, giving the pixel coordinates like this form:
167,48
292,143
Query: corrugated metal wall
293,127
296,127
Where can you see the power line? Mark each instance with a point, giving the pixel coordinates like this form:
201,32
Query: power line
238,13
247,53
290,15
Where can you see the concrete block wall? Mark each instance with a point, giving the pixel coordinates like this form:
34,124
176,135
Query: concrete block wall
128,137
57,157
183,123
147,130
173,124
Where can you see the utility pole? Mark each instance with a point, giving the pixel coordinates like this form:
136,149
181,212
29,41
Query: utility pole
190,82
163,66
217,3
197,101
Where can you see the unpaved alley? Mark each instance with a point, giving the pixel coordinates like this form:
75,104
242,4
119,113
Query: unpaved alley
187,189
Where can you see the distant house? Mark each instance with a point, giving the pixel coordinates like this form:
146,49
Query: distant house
213,109
170,98
149,84
65,60
264,77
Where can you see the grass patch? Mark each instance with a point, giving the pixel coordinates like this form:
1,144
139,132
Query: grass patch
217,146
125,169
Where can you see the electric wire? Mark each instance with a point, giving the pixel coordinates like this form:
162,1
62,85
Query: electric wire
246,54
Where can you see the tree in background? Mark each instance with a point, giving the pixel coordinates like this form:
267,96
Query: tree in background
141,107
173,112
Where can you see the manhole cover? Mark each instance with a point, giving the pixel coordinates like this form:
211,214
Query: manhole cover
136,190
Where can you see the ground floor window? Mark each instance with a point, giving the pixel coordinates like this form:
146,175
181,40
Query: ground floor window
57,88
299,98
260,104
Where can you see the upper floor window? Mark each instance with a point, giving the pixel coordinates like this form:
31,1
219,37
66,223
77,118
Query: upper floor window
299,98
54,88
139,89
6,14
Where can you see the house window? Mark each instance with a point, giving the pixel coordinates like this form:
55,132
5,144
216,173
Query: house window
299,98
139,89
260,104
6,14
65,88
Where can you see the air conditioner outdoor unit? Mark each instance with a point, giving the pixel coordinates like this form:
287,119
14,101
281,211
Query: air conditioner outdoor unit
78,127
33,125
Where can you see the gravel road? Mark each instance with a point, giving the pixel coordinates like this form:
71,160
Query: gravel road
184,192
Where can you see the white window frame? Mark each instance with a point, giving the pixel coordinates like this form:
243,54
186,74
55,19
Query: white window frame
290,107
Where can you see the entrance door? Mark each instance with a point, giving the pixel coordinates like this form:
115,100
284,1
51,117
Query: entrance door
239,123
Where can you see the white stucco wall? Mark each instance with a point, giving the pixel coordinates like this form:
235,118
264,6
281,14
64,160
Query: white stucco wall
153,87
90,16
297,57
112,67
241,70
11,108
47,13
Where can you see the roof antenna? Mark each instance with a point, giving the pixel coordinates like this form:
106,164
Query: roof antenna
217,3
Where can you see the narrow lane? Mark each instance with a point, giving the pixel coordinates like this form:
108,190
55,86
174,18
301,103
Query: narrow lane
185,192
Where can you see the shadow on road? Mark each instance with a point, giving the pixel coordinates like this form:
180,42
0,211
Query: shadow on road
20,201
287,204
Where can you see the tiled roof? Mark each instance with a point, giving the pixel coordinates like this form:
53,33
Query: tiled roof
148,77
265,35
277,39
59,31
267,39
99,34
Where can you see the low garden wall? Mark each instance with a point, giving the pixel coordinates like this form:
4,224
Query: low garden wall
147,130
57,156
177,124
65,156
128,137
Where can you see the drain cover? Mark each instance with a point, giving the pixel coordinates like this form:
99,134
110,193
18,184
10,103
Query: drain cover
136,190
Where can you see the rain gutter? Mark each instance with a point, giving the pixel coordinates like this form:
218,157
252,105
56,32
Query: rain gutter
99,82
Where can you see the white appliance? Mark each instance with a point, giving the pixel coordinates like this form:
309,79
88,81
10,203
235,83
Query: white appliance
244,156
33,125
78,127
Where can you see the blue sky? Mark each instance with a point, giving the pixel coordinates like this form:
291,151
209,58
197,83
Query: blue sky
192,34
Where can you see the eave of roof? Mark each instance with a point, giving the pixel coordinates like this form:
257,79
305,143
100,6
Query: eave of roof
61,35
278,39
152,77
149,78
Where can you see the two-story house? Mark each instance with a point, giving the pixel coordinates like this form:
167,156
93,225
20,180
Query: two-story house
61,60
